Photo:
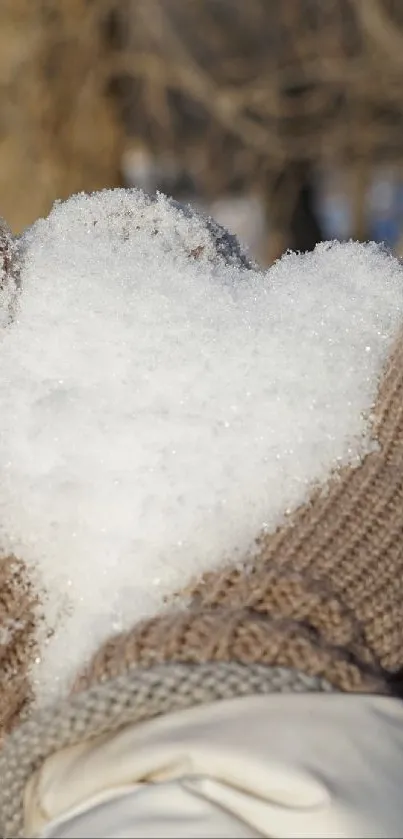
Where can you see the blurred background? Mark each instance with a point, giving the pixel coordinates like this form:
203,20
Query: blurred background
281,118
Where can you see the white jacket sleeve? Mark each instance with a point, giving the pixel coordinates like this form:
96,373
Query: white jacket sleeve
275,766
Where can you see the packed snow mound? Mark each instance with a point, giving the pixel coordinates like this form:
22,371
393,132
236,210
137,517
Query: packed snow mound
151,221
159,408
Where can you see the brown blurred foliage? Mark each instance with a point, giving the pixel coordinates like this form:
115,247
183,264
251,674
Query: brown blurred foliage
253,94
59,132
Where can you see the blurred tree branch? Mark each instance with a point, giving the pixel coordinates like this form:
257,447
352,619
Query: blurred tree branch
294,86
259,93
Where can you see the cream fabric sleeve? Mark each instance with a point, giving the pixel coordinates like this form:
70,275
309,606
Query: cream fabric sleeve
277,766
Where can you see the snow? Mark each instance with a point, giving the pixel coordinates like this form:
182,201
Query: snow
159,407
8,630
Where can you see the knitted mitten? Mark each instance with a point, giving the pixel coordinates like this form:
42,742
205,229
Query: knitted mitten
182,230
316,607
324,592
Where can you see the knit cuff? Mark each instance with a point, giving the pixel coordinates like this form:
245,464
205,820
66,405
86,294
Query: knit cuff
235,636
137,695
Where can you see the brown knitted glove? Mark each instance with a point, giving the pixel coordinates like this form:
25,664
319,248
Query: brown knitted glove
322,594
17,640
199,239
325,593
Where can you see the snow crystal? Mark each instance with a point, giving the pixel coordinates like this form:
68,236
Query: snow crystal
161,404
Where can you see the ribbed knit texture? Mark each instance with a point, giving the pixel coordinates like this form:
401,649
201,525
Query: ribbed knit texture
17,641
136,696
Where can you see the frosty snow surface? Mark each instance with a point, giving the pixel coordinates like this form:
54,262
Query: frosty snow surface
161,404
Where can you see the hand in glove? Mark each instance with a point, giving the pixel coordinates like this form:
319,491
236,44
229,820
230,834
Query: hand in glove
317,605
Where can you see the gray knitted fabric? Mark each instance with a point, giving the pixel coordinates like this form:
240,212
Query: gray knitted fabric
139,695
